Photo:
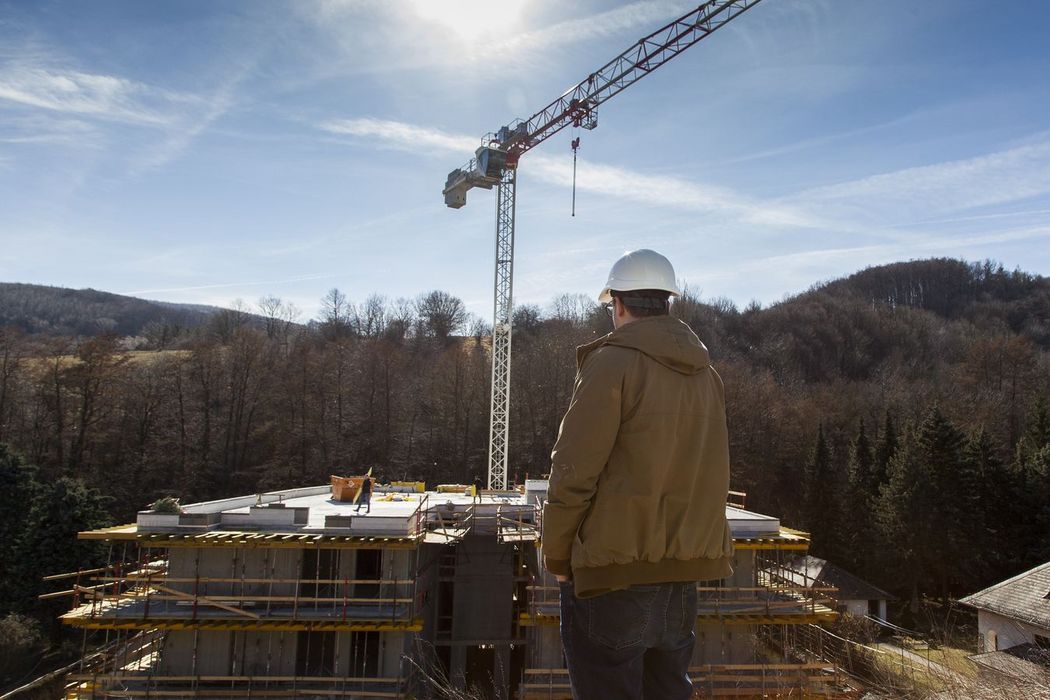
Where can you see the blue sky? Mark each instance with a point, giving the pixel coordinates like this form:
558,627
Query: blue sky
210,151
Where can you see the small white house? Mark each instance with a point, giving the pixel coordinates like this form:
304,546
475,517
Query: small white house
1014,612
855,595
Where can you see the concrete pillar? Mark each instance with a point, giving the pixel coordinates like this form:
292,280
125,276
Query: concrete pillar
457,672
501,672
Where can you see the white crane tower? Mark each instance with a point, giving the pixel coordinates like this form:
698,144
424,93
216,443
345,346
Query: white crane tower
495,164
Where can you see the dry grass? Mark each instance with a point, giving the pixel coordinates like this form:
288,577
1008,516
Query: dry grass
954,659
909,679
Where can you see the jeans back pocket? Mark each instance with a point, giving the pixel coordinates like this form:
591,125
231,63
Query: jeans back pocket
619,619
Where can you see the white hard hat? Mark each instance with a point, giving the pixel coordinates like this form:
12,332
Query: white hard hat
640,269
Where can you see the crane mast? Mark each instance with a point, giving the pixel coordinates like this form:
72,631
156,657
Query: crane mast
495,164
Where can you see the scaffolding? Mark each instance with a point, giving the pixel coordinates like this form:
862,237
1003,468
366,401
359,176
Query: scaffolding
339,610
137,602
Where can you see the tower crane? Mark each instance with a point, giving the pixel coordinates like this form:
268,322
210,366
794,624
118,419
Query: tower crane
495,164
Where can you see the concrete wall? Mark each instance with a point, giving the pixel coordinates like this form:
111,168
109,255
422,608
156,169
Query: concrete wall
398,563
545,647
483,589
263,654
744,575
221,562
855,607
723,644
176,658
998,632
208,654
349,654
392,646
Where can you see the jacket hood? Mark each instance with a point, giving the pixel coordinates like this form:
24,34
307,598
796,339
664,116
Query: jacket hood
664,339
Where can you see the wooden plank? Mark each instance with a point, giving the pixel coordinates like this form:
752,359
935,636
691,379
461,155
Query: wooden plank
767,667
209,579
71,591
207,601
261,599
234,679
73,574
255,693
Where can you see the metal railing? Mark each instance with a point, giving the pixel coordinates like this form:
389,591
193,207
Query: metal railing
720,601
147,596
131,685
810,680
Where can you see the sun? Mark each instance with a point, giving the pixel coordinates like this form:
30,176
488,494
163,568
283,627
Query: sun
471,19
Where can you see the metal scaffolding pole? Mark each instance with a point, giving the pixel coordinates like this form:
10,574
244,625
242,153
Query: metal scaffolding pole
499,416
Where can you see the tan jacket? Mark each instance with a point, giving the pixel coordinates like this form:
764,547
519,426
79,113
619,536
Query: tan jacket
641,468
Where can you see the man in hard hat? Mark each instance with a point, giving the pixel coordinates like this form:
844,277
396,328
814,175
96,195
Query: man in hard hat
636,508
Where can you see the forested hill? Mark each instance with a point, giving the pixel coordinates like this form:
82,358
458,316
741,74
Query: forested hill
85,312
953,289
901,414
907,318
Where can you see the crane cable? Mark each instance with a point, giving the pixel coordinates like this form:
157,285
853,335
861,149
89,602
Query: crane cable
575,147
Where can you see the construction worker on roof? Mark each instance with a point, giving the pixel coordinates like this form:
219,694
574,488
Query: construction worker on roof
365,495
636,507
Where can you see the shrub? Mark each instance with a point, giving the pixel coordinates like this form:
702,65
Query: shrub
166,504
21,639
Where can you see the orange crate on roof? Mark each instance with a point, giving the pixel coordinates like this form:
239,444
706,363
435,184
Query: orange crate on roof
346,488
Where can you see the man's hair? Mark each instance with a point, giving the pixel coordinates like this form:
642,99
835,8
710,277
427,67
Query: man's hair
645,302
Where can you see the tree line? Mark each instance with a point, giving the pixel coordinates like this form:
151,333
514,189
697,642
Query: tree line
895,414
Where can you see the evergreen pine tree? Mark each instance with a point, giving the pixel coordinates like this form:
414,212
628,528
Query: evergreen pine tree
1038,479
17,483
1032,488
885,448
948,503
993,530
49,543
1036,432
924,512
858,521
899,513
823,500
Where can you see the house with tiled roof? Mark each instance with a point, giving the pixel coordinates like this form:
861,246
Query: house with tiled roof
1015,611
851,593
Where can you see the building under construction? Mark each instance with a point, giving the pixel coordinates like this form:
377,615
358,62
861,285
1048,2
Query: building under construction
297,593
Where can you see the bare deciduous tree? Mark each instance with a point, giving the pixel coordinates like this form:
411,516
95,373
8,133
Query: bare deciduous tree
336,314
440,314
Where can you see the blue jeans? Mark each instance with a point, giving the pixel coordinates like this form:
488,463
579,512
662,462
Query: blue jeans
632,644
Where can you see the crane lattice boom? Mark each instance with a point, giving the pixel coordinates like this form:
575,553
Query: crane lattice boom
495,163
648,54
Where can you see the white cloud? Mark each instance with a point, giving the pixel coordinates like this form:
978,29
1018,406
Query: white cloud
621,183
598,26
44,129
855,257
402,39
941,188
402,135
89,94
232,285
891,216
182,133
665,191
60,106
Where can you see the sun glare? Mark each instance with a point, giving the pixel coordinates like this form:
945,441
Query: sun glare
476,20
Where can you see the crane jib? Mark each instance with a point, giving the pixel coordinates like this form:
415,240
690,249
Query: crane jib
645,56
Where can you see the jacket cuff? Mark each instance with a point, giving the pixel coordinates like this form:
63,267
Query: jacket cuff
559,567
